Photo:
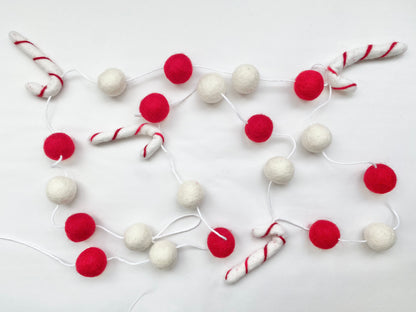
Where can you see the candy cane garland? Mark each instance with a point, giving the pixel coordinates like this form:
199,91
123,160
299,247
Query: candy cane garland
55,83
259,256
125,132
350,57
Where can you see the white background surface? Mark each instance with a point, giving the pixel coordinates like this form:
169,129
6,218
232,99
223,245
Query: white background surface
118,188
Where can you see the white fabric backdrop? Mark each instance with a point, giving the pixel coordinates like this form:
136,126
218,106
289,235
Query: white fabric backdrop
117,188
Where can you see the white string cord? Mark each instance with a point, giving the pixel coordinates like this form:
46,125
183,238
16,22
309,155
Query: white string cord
176,103
172,164
191,246
56,165
291,138
277,80
292,223
269,201
137,300
321,105
53,218
81,74
213,69
161,235
234,109
360,241
348,163
208,226
143,75
47,119
37,248
396,216
127,261
109,231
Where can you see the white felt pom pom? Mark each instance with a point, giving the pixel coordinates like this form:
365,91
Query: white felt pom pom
245,79
112,82
190,194
163,254
379,236
279,170
316,138
61,190
138,237
210,88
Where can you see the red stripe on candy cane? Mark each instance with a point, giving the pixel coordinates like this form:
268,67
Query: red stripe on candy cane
115,134
332,71
94,135
346,87
60,79
389,50
246,264
23,41
42,91
344,55
283,240
228,272
370,46
269,229
42,58
265,253
139,128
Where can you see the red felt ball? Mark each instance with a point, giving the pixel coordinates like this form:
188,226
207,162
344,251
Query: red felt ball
178,68
219,247
79,227
91,262
259,128
57,145
324,234
154,107
380,180
309,85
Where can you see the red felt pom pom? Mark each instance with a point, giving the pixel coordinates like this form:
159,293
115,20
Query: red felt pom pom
219,247
178,68
380,180
259,128
91,262
154,107
324,234
57,145
79,227
309,85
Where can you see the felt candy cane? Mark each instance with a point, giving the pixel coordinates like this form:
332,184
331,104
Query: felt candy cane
55,83
350,57
130,131
261,255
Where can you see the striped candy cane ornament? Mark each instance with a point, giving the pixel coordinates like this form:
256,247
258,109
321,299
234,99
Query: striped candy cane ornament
55,83
261,255
130,131
351,57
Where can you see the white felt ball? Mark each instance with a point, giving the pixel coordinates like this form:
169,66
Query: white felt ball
61,190
316,138
245,79
138,237
279,170
379,236
210,88
190,194
163,254
112,82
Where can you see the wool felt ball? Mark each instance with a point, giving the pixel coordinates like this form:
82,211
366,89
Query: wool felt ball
380,180
219,247
324,234
210,88
79,227
190,194
112,82
245,79
178,68
259,128
316,138
309,85
61,190
163,254
91,262
379,236
138,237
154,107
58,144
279,170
